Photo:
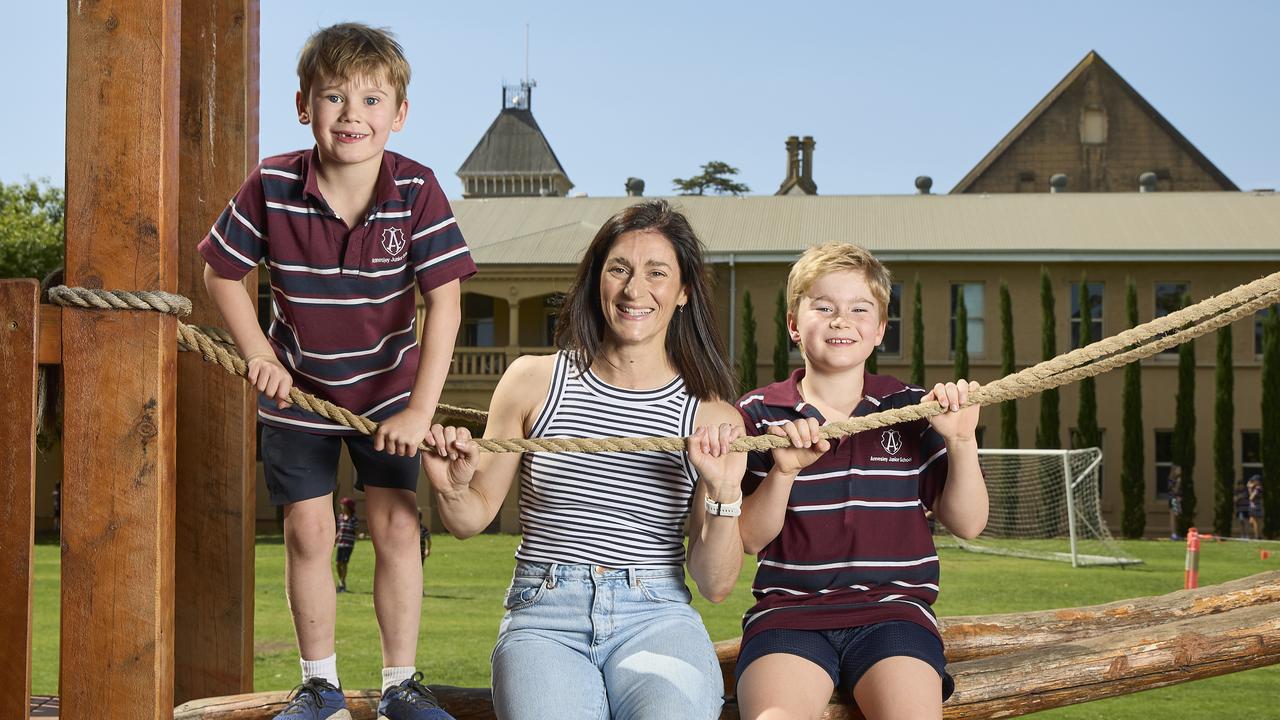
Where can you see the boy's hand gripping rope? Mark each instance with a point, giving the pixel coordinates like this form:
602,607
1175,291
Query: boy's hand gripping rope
1107,354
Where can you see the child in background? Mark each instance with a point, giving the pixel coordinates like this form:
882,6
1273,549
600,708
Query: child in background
1255,505
348,531
847,570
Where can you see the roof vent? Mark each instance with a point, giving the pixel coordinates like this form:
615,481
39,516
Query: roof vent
1058,183
1147,182
635,187
924,184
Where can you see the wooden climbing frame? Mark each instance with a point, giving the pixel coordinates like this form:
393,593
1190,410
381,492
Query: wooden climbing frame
157,575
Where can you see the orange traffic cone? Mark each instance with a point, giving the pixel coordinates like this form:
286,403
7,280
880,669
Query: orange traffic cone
1264,554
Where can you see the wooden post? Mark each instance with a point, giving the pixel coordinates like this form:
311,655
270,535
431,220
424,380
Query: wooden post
213,650
118,491
19,343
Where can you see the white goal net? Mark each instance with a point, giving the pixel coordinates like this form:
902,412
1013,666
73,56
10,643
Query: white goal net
1044,504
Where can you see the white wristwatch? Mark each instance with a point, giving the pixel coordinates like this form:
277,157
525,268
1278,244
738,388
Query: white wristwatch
733,509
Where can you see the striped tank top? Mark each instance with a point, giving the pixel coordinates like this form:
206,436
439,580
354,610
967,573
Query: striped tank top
611,509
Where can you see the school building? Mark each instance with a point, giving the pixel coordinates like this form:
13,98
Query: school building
1093,184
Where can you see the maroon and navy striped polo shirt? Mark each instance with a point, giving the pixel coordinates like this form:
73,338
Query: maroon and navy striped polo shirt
855,547
343,310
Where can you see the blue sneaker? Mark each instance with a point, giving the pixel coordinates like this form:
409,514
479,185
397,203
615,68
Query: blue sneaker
315,699
410,700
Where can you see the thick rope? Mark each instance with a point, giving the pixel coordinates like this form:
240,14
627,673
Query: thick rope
1107,354
215,345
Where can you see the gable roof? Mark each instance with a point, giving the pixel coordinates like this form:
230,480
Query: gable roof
1077,74
513,145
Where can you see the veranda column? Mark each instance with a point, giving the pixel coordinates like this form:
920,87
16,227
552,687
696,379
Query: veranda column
118,492
218,143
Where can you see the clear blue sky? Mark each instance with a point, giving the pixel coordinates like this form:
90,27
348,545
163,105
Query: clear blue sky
654,89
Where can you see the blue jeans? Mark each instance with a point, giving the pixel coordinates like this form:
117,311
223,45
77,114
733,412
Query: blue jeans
583,641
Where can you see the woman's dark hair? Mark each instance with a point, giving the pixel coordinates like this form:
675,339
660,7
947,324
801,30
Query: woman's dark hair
693,342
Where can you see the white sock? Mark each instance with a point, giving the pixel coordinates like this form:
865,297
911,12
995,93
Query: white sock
396,675
326,668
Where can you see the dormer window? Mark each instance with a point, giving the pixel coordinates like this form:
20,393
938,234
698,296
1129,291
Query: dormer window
1093,126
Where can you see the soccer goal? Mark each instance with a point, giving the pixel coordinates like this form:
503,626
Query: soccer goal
1045,504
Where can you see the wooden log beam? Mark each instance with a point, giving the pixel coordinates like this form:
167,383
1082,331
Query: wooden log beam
213,651
977,636
1202,638
19,343
972,637
119,367
1006,685
1115,664
462,703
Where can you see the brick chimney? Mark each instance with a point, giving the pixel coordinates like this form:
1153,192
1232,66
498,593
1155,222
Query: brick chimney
806,165
799,180
793,159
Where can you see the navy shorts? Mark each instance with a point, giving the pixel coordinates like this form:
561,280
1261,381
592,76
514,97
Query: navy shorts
300,466
847,654
344,554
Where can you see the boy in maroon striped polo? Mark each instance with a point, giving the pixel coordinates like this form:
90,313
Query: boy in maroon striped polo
847,568
347,230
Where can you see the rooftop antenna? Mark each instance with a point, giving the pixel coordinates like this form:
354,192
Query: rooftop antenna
521,96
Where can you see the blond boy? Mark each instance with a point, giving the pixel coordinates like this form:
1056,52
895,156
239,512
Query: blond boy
847,569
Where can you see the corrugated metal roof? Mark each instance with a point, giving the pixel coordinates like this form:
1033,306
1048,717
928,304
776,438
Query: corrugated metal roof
1208,225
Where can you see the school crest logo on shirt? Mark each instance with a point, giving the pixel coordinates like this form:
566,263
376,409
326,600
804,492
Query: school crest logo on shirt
393,240
891,441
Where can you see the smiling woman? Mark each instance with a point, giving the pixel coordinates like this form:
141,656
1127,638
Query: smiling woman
598,606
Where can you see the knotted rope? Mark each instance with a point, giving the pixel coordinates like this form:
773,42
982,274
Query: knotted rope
1107,354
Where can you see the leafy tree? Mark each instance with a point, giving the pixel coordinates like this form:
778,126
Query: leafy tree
716,177
1271,425
962,336
747,365
1008,408
1224,410
782,339
32,228
1184,430
1048,433
917,338
1087,432
1132,473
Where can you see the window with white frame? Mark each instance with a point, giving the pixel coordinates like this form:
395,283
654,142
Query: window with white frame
1250,453
892,342
975,311
1095,312
1169,298
1259,324
1164,462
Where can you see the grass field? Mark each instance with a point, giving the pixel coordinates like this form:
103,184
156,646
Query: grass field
465,582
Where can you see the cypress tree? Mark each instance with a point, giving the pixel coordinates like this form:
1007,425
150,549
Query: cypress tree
1087,432
747,365
1184,430
1008,408
1048,434
1224,411
917,338
782,339
962,336
1270,436
1132,473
